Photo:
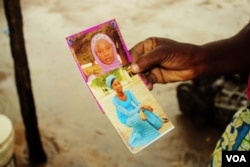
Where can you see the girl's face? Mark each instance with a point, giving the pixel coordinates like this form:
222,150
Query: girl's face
116,86
104,51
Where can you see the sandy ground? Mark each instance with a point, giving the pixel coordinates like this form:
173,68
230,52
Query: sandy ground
74,132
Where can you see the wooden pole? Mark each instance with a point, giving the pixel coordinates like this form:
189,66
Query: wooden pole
23,82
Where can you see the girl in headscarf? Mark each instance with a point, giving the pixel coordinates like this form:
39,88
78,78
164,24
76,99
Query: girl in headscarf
132,113
104,52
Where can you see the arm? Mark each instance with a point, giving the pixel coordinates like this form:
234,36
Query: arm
228,56
137,103
162,60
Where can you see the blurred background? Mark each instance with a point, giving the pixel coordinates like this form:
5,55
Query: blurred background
74,132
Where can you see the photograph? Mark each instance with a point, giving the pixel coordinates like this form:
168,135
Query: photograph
159,83
104,62
98,50
131,108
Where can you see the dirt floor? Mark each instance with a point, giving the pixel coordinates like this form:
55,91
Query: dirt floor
74,132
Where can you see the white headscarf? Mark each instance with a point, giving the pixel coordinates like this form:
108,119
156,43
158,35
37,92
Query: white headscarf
105,68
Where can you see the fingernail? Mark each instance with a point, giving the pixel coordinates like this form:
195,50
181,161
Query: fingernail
134,68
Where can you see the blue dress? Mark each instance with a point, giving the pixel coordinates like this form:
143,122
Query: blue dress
127,112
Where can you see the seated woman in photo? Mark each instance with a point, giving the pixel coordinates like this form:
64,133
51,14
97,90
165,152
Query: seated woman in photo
130,112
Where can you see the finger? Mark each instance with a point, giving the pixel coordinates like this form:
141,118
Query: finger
146,80
141,48
149,60
179,75
151,108
137,51
150,86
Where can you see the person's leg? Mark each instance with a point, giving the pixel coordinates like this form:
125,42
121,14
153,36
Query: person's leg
142,133
153,119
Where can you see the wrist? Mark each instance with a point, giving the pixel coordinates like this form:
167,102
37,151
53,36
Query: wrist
204,62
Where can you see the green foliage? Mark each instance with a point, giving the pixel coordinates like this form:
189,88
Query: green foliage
100,82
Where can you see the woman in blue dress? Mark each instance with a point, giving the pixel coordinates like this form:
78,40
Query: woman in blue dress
132,113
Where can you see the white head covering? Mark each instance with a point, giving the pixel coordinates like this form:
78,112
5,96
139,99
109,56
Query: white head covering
105,67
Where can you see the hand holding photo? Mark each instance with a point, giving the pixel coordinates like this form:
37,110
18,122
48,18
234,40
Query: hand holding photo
104,62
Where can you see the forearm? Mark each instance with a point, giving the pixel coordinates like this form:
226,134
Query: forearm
227,56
